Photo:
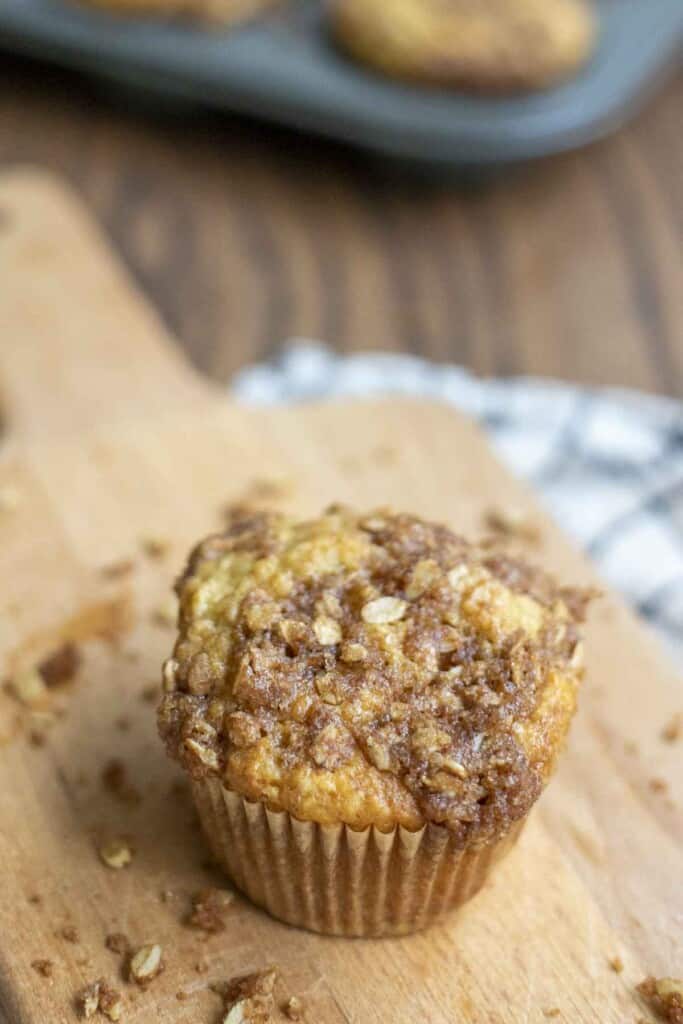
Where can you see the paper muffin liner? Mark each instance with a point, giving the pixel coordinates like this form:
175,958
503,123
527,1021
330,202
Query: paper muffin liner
337,881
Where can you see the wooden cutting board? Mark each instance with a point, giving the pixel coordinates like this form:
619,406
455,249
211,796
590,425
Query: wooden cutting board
110,439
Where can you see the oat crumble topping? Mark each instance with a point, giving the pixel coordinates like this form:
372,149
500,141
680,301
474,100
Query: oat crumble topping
371,669
665,996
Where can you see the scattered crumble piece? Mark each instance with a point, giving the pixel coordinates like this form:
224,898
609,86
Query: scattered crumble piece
45,968
673,730
88,1000
248,998
123,723
117,942
201,967
35,899
512,522
115,780
181,995
61,665
208,910
116,854
166,612
37,738
665,996
554,1011
146,963
10,498
155,547
658,785
29,688
69,933
110,1004
150,694
616,963
99,995
117,570
293,1008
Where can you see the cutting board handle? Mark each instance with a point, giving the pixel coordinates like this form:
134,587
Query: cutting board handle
75,350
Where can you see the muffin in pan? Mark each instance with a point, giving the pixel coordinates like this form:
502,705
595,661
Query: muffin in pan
482,45
218,12
368,707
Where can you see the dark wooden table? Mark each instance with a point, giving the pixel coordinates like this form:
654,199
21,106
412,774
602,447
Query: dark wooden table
245,235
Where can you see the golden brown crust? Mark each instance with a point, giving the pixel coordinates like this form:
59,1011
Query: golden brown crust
494,45
370,670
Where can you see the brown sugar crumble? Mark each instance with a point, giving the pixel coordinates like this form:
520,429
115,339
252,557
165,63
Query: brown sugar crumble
208,910
249,998
658,785
673,730
155,547
69,933
374,669
554,1011
616,963
45,968
117,942
115,780
665,997
117,570
100,997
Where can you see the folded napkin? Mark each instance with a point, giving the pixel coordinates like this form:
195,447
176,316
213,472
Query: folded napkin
607,463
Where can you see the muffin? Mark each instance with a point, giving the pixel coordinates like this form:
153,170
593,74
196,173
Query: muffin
368,707
222,12
483,45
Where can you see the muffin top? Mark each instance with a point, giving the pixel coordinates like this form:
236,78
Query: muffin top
372,670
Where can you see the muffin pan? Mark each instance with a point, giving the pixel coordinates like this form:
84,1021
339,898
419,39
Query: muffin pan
283,68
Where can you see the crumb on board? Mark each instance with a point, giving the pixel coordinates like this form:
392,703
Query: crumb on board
208,910
45,968
658,785
99,996
115,780
146,963
31,686
293,1009
513,523
150,694
616,963
116,854
165,614
69,933
673,730
248,997
155,546
119,943
665,997
117,570
552,1012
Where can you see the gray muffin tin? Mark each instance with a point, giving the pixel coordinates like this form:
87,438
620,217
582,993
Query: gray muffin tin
282,67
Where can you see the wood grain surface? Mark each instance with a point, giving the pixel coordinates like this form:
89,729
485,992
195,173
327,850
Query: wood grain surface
244,235
140,446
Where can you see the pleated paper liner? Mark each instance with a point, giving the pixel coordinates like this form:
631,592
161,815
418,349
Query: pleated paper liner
333,880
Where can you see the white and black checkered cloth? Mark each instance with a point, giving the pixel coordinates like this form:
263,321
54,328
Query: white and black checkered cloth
608,464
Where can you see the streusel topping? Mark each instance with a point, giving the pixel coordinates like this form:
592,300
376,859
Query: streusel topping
372,670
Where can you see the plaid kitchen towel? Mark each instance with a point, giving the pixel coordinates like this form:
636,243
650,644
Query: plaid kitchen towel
607,463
